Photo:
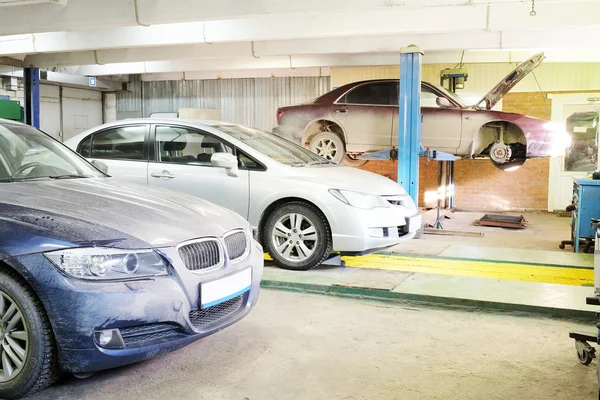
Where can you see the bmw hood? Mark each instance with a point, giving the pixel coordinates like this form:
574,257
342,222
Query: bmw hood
101,212
509,81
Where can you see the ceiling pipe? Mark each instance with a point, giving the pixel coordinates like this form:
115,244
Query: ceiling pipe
137,15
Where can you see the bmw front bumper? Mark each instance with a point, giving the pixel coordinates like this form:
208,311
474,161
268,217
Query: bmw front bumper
153,316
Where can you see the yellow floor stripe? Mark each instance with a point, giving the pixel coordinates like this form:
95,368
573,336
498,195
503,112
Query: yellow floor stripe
480,269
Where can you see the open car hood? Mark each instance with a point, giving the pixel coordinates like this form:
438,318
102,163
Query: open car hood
505,85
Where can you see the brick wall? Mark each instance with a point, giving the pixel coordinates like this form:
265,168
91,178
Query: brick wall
481,186
428,177
533,104
478,184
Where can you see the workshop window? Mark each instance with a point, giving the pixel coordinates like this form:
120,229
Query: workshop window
123,143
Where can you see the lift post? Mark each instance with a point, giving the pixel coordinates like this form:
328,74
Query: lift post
409,121
31,79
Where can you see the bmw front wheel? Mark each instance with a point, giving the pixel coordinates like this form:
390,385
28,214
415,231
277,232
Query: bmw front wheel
28,361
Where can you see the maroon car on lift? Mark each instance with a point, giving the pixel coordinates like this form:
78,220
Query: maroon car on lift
362,117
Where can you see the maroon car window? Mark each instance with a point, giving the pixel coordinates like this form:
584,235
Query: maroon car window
428,98
377,93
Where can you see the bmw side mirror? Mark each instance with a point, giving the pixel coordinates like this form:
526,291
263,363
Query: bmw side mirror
100,165
227,161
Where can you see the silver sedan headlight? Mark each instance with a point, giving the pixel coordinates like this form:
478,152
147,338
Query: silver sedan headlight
101,263
366,201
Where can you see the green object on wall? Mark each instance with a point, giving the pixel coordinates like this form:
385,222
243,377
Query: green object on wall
10,109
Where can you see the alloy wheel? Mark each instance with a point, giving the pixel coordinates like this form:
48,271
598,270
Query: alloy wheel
326,148
294,237
14,338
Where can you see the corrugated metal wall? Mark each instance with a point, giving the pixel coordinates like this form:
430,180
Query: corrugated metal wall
482,77
251,101
129,104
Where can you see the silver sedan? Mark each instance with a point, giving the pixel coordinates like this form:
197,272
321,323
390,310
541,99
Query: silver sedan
301,207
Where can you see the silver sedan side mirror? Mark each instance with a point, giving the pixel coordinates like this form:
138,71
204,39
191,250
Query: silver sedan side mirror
227,161
100,165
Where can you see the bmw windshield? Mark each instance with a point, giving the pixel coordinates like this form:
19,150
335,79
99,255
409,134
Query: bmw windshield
280,150
28,154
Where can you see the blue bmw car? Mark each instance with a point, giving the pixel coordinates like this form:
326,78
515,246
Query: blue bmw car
95,274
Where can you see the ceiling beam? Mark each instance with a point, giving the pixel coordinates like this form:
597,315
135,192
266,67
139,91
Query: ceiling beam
364,44
263,28
12,62
5,3
68,80
326,60
577,38
93,14
394,25
239,73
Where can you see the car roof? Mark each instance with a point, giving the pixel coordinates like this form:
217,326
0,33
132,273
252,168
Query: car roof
197,123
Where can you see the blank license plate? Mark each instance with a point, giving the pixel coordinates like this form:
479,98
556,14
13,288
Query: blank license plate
415,223
220,290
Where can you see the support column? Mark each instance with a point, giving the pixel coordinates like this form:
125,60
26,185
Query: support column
31,80
409,121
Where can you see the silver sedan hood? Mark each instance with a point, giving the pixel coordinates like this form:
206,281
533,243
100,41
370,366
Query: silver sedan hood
101,210
340,177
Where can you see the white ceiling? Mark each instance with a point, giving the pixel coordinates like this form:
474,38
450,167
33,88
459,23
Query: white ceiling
109,37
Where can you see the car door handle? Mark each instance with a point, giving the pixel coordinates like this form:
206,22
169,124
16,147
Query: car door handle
468,117
163,175
341,111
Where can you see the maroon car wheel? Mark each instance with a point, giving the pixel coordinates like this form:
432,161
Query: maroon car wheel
329,146
351,161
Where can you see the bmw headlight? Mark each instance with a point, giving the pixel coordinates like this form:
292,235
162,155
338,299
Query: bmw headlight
107,263
365,201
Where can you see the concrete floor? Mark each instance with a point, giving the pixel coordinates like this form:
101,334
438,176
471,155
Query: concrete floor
297,346
544,232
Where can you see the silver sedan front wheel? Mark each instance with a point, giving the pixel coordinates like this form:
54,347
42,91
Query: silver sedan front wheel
297,236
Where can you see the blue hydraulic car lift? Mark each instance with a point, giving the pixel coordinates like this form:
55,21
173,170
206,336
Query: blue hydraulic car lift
409,121
31,79
409,126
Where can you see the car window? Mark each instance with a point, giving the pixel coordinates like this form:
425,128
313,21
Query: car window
122,143
85,147
180,145
428,98
377,93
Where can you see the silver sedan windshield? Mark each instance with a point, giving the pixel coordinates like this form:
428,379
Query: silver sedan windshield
272,146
